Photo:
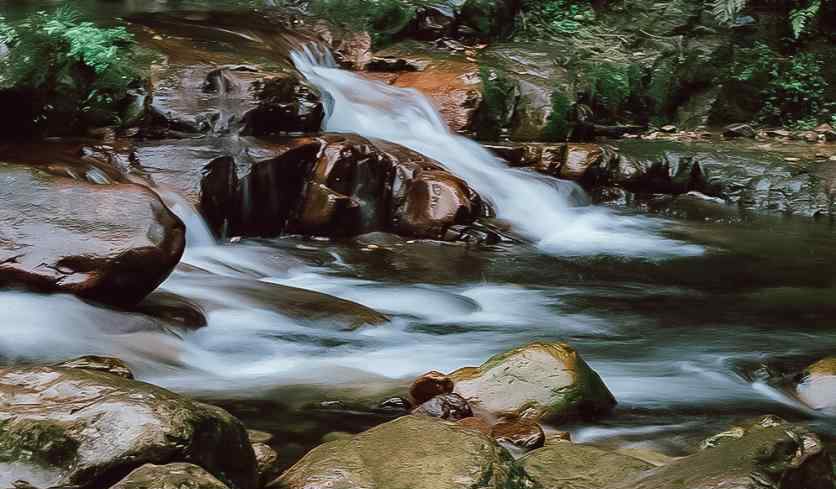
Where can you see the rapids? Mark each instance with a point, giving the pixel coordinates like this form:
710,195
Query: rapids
678,316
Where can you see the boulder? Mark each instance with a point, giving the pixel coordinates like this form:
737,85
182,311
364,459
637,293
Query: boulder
428,386
83,428
284,104
451,407
564,465
413,451
109,243
772,454
176,475
817,386
537,381
340,185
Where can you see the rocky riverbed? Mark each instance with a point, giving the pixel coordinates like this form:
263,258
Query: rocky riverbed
282,270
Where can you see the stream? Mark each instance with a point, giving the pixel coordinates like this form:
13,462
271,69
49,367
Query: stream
677,315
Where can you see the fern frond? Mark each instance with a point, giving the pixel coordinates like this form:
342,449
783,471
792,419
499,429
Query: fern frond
726,11
801,18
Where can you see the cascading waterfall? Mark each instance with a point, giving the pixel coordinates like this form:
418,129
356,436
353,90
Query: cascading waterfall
539,207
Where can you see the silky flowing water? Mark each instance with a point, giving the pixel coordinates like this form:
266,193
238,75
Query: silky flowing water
676,315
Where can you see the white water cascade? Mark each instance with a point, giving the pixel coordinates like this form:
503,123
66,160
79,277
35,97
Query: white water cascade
539,207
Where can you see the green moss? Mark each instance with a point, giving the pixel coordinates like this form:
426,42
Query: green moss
43,443
610,86
557,128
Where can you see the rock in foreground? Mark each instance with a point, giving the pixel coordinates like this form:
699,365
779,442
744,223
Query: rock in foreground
180,476
109,243
82,428
411,452
817,388
537,381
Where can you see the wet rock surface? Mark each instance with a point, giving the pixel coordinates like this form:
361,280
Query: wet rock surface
343,185
428,386
817,386
110,243
421,453
537,381
77,427
451,407
564,465
179,475
108,365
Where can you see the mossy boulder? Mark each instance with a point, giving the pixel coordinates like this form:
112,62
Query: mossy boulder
412,452
562,465
817,388
84,428
536,381
770,453
179,475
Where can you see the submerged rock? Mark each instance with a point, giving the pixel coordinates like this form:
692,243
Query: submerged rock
177,475
413,451
536,381
110,243
817,387
81,428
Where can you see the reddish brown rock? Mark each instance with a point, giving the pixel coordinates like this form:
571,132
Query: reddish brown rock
476,424
109,365
110,243
428,386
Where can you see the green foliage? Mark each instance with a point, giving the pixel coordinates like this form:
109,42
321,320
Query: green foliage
497,93
793,89
557,127
71,65
801,18
555,17
382,18
727,11
611,85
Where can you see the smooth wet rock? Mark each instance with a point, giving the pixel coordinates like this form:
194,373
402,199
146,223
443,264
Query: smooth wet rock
413,452
451,407
525,435
109,365
256,436
428,386
170,476
547,381
110,243
284,104
817,387
478,424
345,185
267,462
566,465
76,427
775,454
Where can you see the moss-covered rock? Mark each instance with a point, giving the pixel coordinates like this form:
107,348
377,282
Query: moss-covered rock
771,454
82,428
536,381
412,452
564,465
177,475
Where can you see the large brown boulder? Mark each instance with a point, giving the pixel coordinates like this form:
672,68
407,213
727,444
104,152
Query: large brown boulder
110,243
83,428
536,381
339,185
817,388
414,452
178,475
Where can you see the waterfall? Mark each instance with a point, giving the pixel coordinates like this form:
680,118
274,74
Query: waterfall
539,207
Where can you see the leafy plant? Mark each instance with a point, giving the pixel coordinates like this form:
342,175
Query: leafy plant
497,93
557,17
557,126
610,85
727,11
793,88
68,65
802,17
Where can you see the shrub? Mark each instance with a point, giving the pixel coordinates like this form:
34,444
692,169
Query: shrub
610,86
73,69
557,17
792,88
557,127
498,93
